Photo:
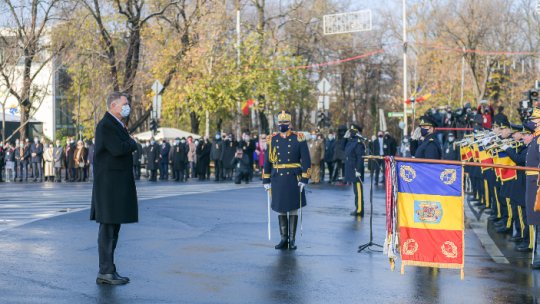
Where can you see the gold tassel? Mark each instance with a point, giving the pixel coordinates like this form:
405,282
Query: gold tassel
462,274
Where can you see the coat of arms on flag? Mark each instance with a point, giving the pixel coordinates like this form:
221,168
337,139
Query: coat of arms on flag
425,224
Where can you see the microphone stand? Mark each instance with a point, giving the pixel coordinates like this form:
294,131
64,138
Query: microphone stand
370,243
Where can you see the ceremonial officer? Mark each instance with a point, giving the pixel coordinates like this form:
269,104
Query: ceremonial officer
287,169
533,160
430,146
501,189
354,166
517,195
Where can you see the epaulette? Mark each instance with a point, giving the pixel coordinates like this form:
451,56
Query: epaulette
274,134
300,136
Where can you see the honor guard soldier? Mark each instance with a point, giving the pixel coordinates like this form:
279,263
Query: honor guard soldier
287,169
533,160
429,147
354,166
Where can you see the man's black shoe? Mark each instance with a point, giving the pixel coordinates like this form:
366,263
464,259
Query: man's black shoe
354,213
110,279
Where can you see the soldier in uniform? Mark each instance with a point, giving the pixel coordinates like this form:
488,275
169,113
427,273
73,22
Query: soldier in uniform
354,166
533,160
517,195
153,156
287,169
430,147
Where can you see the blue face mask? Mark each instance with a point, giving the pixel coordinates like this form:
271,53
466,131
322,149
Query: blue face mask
424,132
284,128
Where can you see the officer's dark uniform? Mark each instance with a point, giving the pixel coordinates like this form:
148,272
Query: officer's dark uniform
286,163
354,163
533,160
430,147
517,195
501,190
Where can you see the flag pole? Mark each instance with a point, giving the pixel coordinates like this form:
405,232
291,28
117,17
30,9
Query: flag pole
453,162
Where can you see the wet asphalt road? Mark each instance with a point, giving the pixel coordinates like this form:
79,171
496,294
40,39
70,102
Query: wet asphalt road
212,247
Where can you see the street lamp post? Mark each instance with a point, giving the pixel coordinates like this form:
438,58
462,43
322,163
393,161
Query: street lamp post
404,68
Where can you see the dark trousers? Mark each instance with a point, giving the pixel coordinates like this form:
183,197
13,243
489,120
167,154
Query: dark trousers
37,168
179,175
330,166
338,170
153,175
107,240
137,171
379,170
241,176
358,197
58,174
163,171
218,169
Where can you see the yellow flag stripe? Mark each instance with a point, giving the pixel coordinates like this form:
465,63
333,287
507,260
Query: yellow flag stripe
452,211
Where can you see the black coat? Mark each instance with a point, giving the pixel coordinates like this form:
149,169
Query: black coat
152,156
329,147
114,196
450,151
354,151
216,153
37,148
241,164
229,149
179,156
137,154
429,148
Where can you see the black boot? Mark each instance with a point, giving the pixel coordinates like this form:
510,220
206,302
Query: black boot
284,231
293,221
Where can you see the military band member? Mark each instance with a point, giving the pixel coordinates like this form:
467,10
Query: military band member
502,189
533,160
287,169
429,147
354,166
517,194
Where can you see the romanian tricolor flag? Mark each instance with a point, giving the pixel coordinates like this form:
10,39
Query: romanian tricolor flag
504,174
430,215
248,104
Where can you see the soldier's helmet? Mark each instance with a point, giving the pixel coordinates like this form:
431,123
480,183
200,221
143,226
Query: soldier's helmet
284,117
427,121
355,127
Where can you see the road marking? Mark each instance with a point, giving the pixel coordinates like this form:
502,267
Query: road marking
479,227
27,203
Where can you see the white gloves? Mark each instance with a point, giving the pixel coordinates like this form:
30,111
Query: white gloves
486,141
505,146
347,134
267,187
302,186
357,174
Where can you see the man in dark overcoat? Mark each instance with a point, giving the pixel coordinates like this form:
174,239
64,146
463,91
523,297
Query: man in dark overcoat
153,157
114,196
287,169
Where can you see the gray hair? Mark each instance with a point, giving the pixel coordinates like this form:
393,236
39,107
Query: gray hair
114,96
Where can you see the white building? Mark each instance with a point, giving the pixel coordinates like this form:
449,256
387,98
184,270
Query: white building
49,104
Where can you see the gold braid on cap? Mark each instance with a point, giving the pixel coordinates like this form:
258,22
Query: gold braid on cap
283,116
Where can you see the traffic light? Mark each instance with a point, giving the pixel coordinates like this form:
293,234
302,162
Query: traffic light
322,120
154,125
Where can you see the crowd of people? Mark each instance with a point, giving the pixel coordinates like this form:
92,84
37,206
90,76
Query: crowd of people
43,161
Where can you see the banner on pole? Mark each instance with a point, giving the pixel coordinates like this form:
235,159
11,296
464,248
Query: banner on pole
430,215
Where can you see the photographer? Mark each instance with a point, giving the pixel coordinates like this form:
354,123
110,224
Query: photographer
243,168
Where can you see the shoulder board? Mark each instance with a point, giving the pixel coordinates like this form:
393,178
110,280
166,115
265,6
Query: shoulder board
274,134
300,136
